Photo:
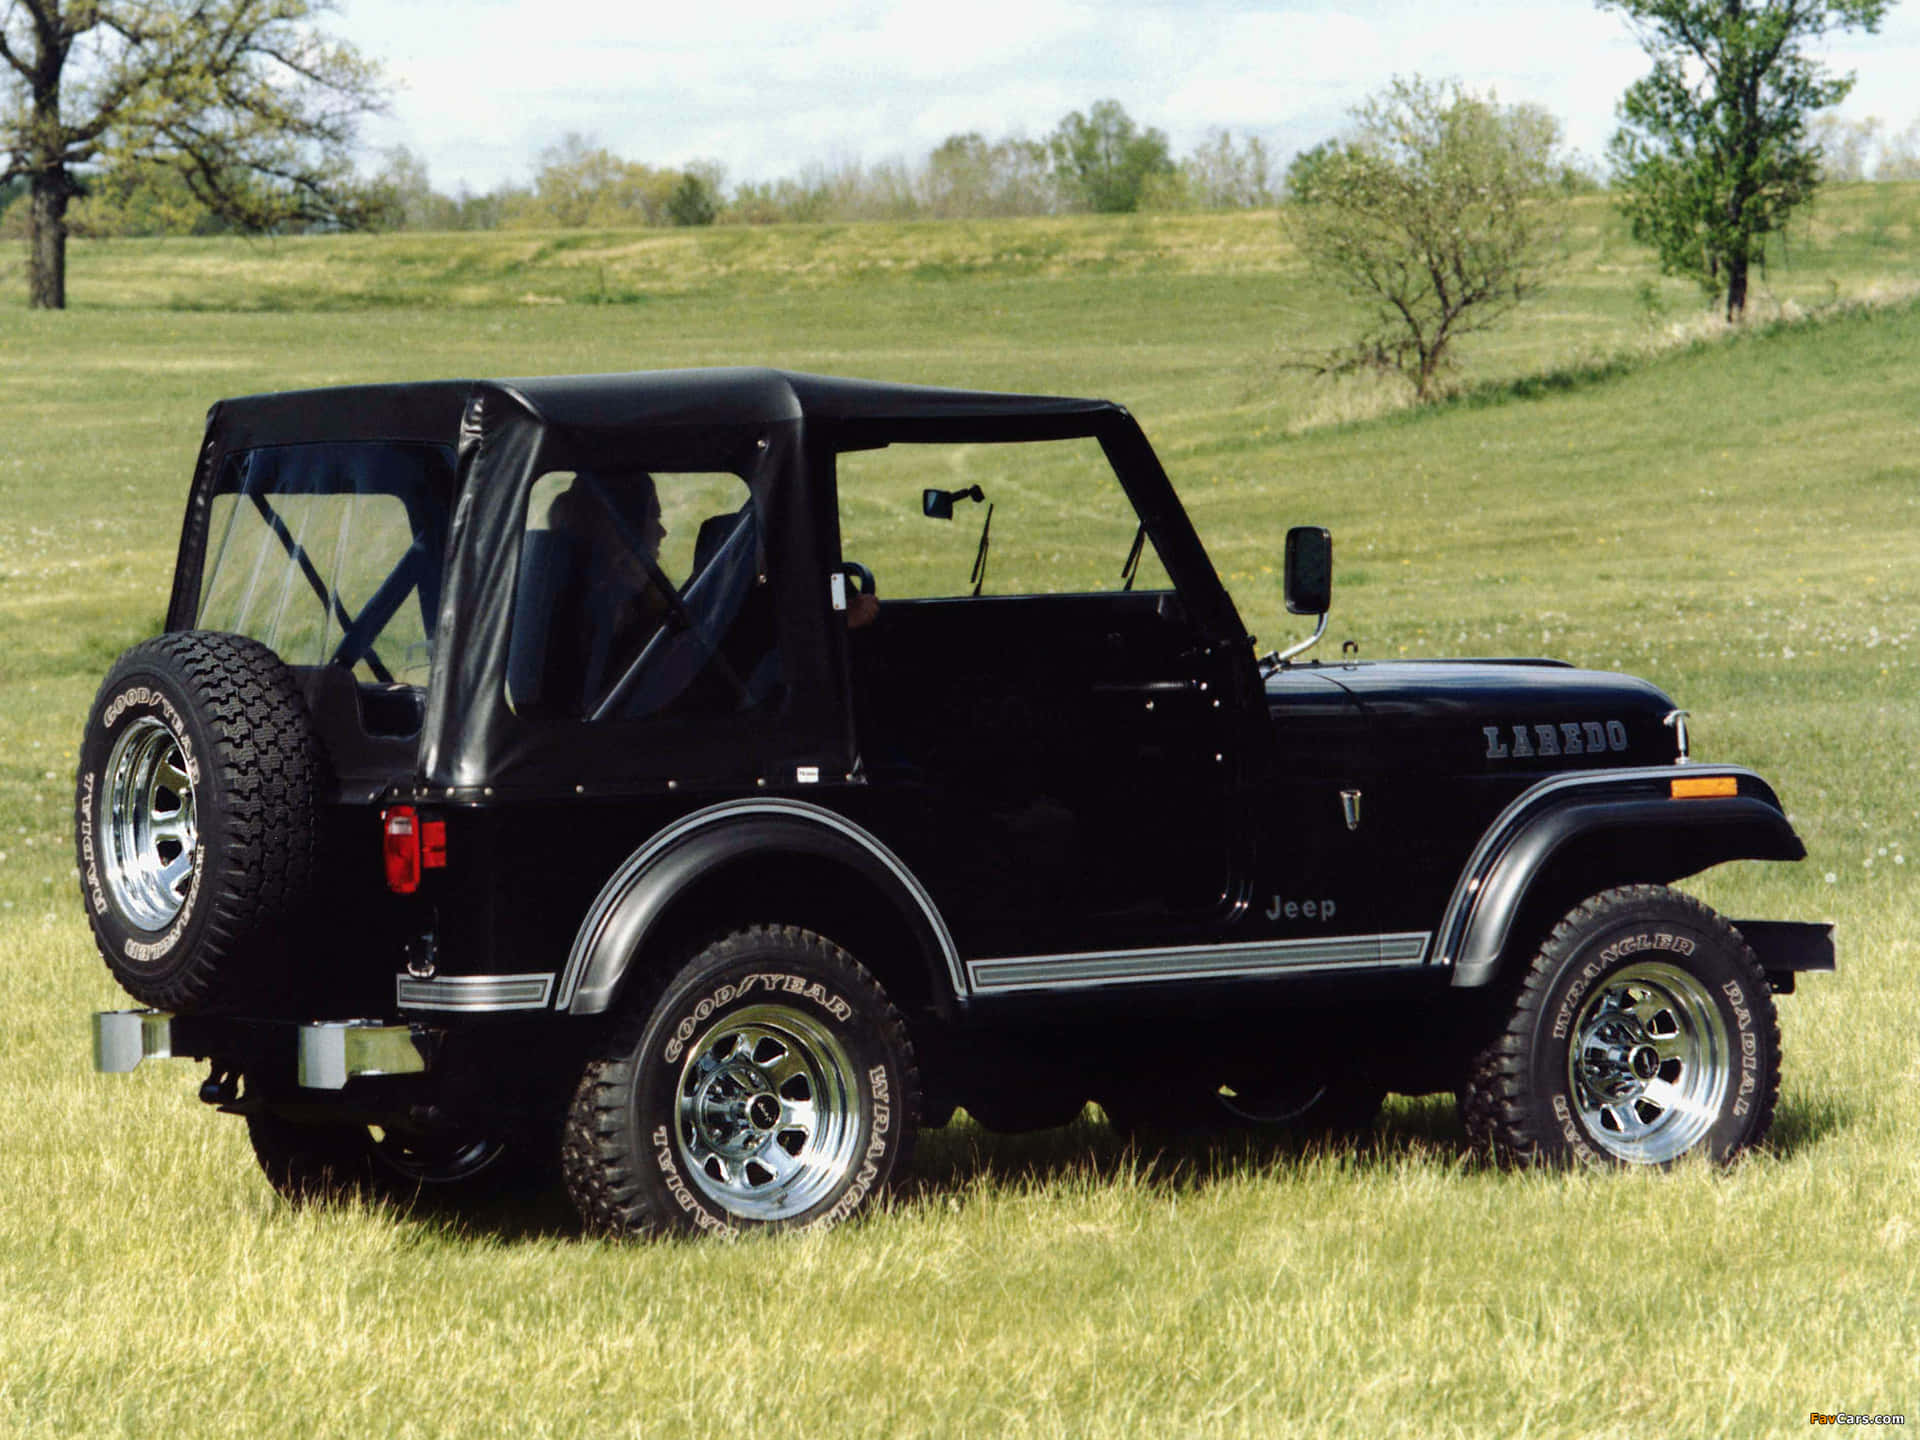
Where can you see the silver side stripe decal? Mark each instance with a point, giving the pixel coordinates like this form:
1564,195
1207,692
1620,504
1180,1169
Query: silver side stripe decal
475,992
1202,962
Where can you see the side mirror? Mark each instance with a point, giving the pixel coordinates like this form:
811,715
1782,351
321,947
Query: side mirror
938,504
1309,570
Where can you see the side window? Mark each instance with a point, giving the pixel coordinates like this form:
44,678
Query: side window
640,594
1060,523
331,554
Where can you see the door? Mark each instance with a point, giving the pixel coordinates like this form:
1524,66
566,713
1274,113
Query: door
1040,722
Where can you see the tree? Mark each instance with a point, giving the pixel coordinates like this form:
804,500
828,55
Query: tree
1713,152
1437,215
1844,145
696,198
966,175
1308,168
404,198
251,106
1900,155
1103,160
1220,175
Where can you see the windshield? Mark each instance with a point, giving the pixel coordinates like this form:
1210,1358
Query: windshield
332,554
936,521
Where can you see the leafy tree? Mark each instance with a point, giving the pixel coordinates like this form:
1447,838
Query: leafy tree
696,198
1306,170
139,200
1713,152
244,100
1844,145
1900,155
1103,161
1437,216
1220,175
967,175
403,197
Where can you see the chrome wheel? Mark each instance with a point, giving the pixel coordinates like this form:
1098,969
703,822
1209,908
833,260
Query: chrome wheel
150,825
1650,1063
768,1110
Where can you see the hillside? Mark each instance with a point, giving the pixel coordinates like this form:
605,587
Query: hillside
1737,521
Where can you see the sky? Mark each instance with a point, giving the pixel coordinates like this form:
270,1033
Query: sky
766,87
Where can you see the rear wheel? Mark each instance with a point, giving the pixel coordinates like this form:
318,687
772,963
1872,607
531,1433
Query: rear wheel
770,1083
1643,1032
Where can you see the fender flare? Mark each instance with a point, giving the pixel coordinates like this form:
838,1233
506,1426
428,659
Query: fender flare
1522,844
640,893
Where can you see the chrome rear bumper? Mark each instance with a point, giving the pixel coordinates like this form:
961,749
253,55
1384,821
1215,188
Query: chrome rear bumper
327,1053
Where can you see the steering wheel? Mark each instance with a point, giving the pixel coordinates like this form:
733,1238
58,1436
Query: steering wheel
861,577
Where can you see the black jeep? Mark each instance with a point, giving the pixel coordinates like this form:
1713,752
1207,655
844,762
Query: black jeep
702,780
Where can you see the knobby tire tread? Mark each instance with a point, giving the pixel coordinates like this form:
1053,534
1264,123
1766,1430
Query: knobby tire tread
270,773
1497,1103
601,1167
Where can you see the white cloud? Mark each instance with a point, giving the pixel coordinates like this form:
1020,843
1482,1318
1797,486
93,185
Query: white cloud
765,86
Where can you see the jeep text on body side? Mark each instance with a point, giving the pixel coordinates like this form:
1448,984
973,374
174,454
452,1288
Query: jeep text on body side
699,781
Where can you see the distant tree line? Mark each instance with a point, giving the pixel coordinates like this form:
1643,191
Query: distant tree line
1097,160
1865,150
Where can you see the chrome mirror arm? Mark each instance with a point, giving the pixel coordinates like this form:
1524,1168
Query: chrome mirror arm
1277,659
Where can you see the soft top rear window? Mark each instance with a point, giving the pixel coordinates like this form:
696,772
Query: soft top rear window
332,554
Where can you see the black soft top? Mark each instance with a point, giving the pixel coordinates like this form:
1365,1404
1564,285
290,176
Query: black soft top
605,405
776,429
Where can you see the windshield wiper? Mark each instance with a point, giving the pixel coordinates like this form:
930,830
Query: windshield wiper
1132,567
979,576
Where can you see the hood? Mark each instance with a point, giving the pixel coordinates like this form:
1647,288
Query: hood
1481,716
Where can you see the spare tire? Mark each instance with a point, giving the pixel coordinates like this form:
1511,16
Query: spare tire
197,813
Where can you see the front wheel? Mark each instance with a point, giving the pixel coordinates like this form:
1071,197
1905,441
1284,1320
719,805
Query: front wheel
771,1084
1644,1031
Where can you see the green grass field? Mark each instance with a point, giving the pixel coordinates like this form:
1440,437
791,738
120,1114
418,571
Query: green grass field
1738,521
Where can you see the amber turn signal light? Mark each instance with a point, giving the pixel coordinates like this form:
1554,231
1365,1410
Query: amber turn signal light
1705,786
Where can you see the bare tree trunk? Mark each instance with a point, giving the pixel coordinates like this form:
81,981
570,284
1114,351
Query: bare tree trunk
47,244
1736,286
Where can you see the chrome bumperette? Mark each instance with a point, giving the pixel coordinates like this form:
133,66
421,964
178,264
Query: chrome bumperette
123,1038
335,1051
327,1053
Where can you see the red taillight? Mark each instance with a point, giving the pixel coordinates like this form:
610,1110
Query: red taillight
400,848
433,844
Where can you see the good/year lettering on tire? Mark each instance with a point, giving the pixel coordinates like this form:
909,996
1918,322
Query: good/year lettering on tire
196,816
769,1083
